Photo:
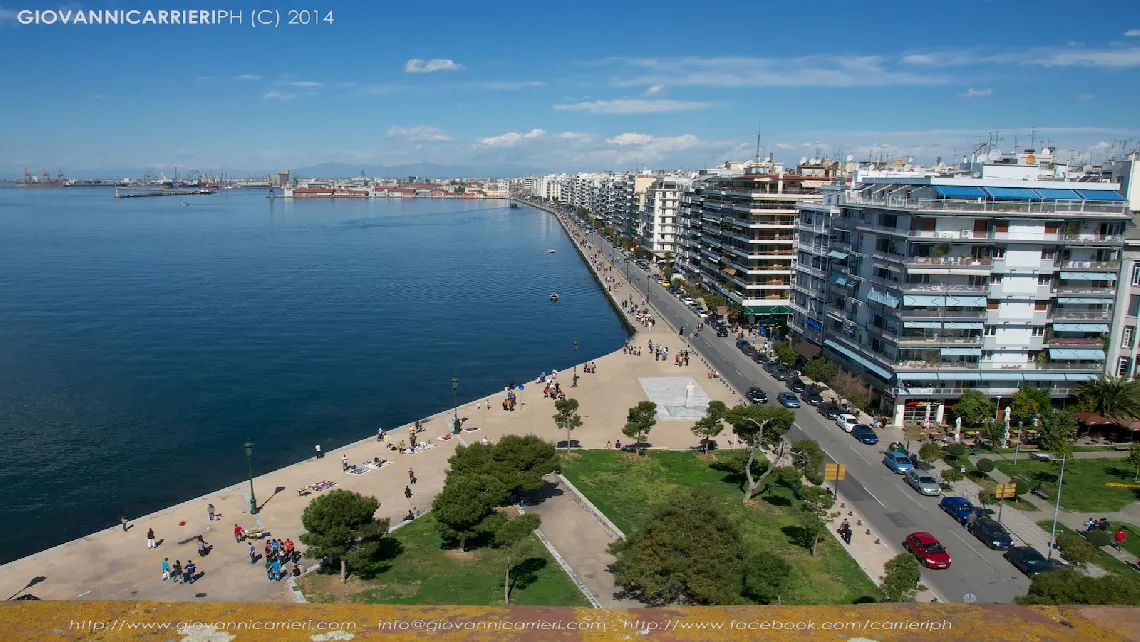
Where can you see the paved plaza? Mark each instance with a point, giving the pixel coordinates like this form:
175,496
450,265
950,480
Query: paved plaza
677,398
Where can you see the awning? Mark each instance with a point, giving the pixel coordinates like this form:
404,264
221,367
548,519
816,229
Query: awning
1012,193
959,376
730,271
1045,376
1088,276
965,301
812,323
1057,194
952,191
963,325
961,352
1080,327
1087,298
1099,195
1079,376
1083,300
882,297
839,278
1001,376
1071,354
924,300
1091,419
886,376
836,254
922,324
918,376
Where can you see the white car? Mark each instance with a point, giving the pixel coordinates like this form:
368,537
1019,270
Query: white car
846,422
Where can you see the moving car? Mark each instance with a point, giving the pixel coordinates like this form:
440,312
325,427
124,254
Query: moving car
846,422
928,550
721,331
756,395
1027,560
796,385
863,433
898,463
921,481
992,534
959,508
828,409
788,400
811,396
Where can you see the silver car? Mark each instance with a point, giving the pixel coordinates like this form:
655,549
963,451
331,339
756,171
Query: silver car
921,481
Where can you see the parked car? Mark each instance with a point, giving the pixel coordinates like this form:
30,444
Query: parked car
788,400
796,385
846,421
760,358
959,508
921,481
992,534
740,343
811,396
780,373
927,549
756,395
688,301
898,463
863,433
1027,560
721,331
828,410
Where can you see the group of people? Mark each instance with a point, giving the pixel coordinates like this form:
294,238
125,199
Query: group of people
178,573
616,445
631,349
1102,525
553,391
277,554
660,352
682,358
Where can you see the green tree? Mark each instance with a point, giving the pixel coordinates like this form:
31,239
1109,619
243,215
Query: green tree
974,407
640,421
985,465
766,576
821,370
993,431
688,552
341,525
1133,458
851,388
928,452
464,504
759,427
1112,397
711,425
1058,431
567,417
785,353
808,458
1077,550
1029,402
815,504
523,460
951,475
640,253
513,537
1068,586
900,583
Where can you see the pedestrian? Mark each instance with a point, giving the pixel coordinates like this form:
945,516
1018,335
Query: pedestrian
150,538
252,553
411,476
123,522
201,547
276,570
320,455
239,534
478,405
407,492
176,572
210,511
165,569
190,571
1120,536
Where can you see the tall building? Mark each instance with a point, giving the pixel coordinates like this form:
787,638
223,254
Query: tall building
1124,348
657,225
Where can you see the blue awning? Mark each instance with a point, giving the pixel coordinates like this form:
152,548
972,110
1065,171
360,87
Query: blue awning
1049,194
812,323
1080,327
963,325
1099,195
850,354
918,376
1070,354
836,254
1084,297
961,352
959,376
965,301
924,300
1088,276
922,324
839,278
953,191
1012,193
1001,376
1079,376
1075,300
882,297
1045,376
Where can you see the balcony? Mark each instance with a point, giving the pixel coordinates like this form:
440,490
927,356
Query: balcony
912,342
1083,289
942,287
1090,265
1044,365
949,261
1057,341
936,365
995,207
810,270
940,313
1075,314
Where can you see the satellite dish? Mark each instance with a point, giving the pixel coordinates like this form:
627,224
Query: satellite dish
995,155
803,160
850,157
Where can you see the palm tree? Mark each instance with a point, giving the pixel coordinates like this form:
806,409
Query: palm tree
1112,397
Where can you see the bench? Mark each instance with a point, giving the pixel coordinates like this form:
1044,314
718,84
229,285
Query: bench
1122,446
1044,492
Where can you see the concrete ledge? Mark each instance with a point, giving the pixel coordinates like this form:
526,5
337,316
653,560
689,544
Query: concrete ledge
588,506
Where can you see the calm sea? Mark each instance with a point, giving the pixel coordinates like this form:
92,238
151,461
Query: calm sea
143,342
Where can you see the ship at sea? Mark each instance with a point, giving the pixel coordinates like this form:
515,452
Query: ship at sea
43,180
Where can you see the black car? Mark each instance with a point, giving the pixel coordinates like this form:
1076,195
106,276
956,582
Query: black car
992,534
1027,560
828,409
743,344
721,332
780,373
811,397
756,395
760,358
796,385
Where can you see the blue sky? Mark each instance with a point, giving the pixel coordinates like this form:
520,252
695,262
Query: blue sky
586,85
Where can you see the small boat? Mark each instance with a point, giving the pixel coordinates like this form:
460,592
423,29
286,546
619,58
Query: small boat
184,204
514,205
550,251
554,297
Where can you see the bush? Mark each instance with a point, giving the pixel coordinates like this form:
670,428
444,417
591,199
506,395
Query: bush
985,465
1068,586
956,449
951,475
1023,487
1099,538
1077,550
929,452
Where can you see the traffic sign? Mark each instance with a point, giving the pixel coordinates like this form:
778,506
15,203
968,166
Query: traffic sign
834,472
1005,491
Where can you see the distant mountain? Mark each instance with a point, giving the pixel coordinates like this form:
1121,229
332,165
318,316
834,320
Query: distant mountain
425,170
133,172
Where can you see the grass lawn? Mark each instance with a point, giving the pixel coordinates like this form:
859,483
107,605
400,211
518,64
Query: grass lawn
1084,487
1106,560
624,487
426,573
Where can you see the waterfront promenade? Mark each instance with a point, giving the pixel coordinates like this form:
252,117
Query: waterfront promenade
112,564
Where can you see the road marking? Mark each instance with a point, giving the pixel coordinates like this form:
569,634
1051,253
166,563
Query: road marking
911,498
873,497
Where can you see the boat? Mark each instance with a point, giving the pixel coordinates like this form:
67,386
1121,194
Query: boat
554,297
185,204
514,205
550,251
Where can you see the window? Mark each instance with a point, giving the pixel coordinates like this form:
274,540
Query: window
991,331
1041,305
1126,336
1122,366
999,253
1044,279
1039,331
995,279
1133,305
1136,274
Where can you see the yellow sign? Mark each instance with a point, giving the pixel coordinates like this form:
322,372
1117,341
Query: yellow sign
1119,485
1005,491
834,472
1030,159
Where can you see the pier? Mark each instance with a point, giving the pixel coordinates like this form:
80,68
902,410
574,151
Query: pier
142,193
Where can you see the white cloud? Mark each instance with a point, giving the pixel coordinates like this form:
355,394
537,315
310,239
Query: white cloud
276,95
977,93
575,136
1085,96
1132,32
417,133
1114,57
1104,144
510,139
809,71
634,106
306,83
653,143
247,77
420,66
654,91
504,85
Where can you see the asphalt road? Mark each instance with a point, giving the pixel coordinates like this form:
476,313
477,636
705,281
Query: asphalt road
887,502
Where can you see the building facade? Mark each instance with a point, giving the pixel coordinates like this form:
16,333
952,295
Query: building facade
657,224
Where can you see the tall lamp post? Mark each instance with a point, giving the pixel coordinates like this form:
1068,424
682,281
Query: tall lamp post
249,461
1017,445
1056,509
575,384
455,405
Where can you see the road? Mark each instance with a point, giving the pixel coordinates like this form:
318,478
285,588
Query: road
888,503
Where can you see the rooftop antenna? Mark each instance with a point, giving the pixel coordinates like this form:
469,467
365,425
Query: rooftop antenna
1032,138
756,160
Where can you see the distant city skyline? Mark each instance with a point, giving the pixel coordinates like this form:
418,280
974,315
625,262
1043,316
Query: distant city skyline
541,90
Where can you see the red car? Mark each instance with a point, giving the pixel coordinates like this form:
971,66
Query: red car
928,550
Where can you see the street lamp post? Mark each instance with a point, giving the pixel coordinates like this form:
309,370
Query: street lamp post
575,384
1017,446
1057,509
455,405
249,462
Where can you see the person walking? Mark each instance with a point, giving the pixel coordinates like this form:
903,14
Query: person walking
252,553
239,533
411,476
407,492
201,547
344,462
150,543
1119,536
276,570
190,571
176,572
165,569
320,455
210,511
123,523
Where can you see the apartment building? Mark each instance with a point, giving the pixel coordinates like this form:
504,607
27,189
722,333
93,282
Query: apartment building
1124,348
657,224
934,285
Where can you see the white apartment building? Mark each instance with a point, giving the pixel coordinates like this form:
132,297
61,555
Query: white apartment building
1124,348
657,224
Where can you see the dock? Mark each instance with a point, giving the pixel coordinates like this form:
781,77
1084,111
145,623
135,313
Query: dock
142,193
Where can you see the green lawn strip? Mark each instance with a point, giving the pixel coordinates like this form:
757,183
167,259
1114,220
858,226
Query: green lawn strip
426,573
1084,488
1105,561
624,488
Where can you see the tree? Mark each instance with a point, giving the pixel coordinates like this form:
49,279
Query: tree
639,422
567,417
1077,550
640,253
928,452
1099,538
1133,458
1067,586
523,460
785,353
851,388
688,552
974,407
766,576
1028,402
464,504
341,526
993,431
815,503
1058,431
951,475
513,537
821,370
711,425
808,458
759,427
985,465
1112,397
900,583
